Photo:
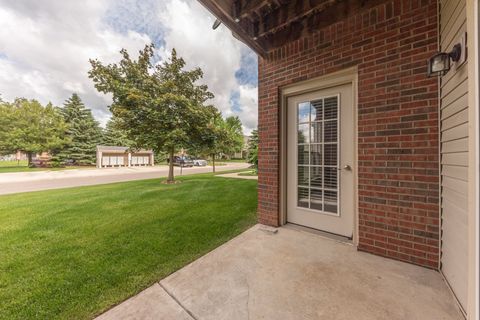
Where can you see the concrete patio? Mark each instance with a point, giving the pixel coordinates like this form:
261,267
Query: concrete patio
292,274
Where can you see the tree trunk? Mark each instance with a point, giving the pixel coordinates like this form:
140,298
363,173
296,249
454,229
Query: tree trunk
213,161
170,166
29,157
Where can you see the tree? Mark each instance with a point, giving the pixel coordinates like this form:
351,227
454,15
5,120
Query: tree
252,150
215,138
6,124
235,135
161,107
30,127
221,136
83,132
114,135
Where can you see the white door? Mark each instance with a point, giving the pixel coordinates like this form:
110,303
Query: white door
320,159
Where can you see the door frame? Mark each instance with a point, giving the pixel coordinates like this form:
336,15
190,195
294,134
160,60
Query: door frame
346,76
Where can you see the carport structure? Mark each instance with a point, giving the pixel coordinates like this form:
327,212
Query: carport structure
114,156
356,139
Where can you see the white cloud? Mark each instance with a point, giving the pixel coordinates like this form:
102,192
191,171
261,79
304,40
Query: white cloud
189,31
45,47
248,103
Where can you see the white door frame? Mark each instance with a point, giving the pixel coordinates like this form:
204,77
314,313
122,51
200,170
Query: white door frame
347,76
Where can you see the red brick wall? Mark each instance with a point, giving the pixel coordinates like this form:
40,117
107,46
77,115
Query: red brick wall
398,163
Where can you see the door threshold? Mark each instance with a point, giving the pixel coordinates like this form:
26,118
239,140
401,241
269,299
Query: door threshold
325,234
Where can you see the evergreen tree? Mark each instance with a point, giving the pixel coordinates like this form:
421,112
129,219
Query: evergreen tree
83,132
114,135
252,153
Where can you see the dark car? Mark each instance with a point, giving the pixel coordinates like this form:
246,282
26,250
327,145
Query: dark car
182,161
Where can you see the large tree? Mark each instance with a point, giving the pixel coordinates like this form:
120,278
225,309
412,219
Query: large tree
83,132
28,126
114,135
160,106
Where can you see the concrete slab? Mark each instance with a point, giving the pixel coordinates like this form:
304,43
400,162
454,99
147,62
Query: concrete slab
293,274
153,303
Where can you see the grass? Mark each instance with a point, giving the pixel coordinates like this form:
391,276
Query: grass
73,253
22,166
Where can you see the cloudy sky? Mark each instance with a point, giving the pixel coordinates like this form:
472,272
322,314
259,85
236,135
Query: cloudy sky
45,46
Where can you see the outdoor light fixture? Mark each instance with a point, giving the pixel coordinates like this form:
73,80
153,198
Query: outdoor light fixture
216,24
439,64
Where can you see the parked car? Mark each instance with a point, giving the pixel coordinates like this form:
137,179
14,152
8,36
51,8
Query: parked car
199,162
182,161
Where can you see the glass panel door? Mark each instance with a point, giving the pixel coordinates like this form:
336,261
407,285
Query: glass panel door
318,155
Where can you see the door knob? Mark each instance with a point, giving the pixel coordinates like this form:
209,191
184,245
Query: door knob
345,167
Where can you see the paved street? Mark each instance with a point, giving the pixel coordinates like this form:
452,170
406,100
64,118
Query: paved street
44,180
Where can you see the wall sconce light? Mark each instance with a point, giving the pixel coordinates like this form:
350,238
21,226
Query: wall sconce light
439,64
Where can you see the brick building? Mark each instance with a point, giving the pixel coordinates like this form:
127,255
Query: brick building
356,139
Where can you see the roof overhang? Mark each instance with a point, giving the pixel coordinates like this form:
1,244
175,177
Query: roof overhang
264,25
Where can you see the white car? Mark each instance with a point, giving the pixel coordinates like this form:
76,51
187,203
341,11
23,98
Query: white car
199,162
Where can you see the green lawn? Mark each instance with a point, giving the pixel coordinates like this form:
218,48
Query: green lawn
22,166
73,253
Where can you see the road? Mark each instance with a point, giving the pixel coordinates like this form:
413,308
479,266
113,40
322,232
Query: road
45,180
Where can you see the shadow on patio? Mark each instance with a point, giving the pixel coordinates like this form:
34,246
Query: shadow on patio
292,274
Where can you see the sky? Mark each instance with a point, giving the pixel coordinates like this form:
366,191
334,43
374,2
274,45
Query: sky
45,47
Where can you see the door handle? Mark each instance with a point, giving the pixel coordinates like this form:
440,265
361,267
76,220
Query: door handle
345,167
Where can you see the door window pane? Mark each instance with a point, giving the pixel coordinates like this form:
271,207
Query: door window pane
317,110
330,201
303,133
303,112
330,154
303,152
331,108
316,132
330,131
303,175
316,201
316,151
330,178
303,198
316,177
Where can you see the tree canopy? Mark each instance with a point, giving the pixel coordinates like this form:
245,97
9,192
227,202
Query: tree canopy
160,106
234,127
114,135
27,126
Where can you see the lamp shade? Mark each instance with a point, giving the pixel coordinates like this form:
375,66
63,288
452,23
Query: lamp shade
439,64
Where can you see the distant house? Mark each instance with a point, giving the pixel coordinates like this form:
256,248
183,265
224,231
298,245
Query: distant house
243,153
18,156
114,156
